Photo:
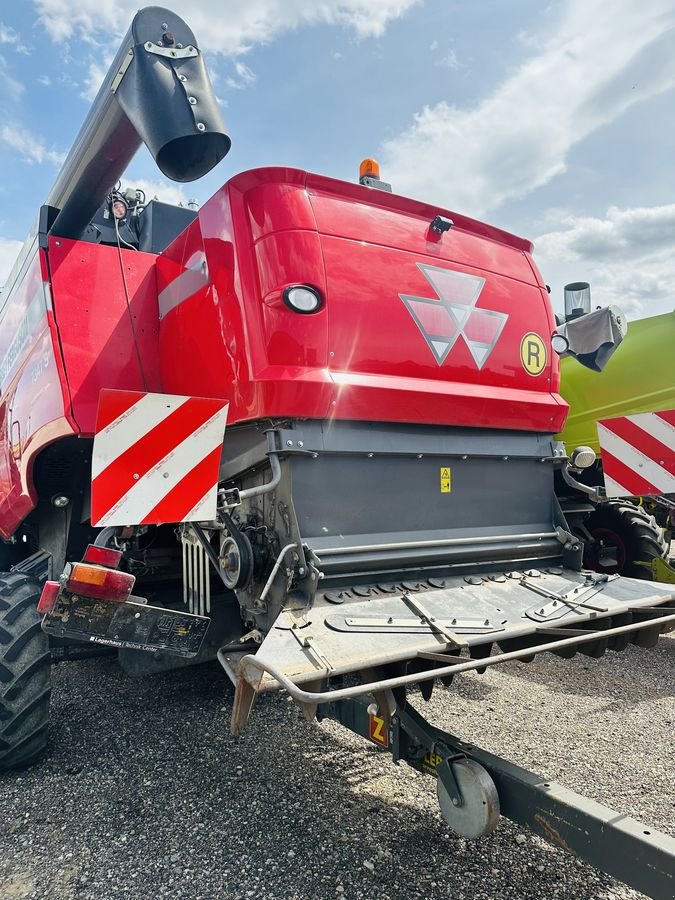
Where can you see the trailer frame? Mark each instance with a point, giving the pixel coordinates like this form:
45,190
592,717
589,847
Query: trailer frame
617,844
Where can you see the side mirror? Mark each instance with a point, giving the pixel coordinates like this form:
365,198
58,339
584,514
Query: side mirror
591,338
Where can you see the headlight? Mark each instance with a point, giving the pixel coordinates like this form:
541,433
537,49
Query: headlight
560,343
302,299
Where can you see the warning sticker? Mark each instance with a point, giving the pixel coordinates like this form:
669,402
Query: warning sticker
378,732
533,354
431,762
446,480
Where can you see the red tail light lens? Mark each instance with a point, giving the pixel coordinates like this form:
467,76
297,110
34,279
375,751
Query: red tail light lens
48,598
99,582
102,556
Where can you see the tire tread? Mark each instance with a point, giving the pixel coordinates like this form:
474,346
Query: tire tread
24,673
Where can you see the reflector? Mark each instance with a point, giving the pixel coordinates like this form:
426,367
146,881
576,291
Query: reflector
102,556
47,601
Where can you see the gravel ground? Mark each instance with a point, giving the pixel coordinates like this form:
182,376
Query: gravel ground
146,795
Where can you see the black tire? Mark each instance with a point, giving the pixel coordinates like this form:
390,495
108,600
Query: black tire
25,674
633,533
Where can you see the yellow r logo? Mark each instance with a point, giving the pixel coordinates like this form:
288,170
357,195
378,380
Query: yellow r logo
533,354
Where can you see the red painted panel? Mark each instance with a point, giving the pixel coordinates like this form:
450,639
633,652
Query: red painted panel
363,214
251,348
33,396
373,333
363,355
100,347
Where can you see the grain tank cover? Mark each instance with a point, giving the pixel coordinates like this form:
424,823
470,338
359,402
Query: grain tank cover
157,92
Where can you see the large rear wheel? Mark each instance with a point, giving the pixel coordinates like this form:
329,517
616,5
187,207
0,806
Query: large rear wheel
25,674
623,535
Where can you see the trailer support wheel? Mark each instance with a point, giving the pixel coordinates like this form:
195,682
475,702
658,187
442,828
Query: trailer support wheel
25,662
477,813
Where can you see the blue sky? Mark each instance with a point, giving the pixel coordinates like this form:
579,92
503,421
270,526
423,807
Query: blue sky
553,120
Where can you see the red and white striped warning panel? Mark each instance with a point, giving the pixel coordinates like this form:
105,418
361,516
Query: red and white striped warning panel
156,458
638,454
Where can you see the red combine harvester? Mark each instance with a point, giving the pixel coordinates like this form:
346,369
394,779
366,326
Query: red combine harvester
379,511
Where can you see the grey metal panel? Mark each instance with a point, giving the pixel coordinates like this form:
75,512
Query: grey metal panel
327,651
398,438
244,446
343,495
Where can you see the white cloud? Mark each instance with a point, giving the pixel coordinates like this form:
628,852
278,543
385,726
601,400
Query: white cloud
602,58
12,38
158,190
29,147
245,77
9,87
627,256
9,250
226,28
94,78
450,61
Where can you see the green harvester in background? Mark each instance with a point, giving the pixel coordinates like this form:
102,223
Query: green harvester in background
638,378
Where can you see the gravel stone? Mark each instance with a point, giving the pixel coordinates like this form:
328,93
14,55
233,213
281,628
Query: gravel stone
146,795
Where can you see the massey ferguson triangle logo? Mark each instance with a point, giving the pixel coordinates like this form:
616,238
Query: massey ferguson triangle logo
454,314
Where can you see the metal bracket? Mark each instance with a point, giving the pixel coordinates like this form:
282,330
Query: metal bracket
660,570
117,80
408,625
559,605
418,607
445,773
171,52
230,497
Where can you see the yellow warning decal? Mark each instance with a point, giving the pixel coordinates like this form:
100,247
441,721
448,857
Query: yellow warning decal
446,480
378,731
533,354
431,762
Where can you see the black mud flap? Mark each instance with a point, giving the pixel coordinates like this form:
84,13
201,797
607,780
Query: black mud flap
132,625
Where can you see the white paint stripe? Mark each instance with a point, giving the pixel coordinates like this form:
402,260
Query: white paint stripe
205,510
184,285
636,460
135,505
131,426
656,427
614,489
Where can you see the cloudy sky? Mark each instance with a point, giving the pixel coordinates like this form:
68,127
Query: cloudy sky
553,120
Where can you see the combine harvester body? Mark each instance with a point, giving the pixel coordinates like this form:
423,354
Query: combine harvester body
312,426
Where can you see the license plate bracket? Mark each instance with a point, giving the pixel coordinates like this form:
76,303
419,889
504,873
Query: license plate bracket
131,625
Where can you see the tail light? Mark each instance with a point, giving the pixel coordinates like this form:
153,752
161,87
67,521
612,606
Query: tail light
99,582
